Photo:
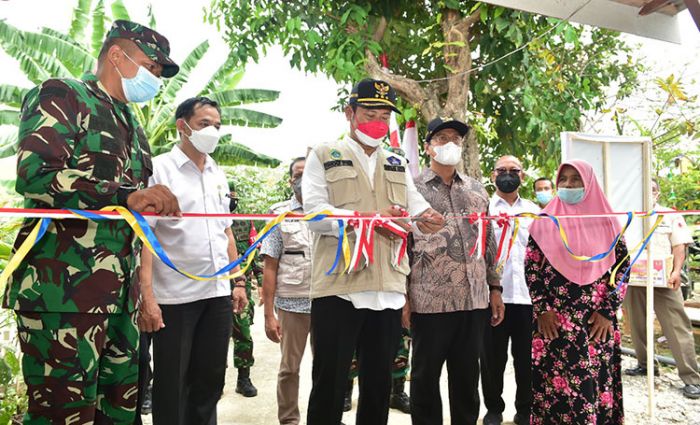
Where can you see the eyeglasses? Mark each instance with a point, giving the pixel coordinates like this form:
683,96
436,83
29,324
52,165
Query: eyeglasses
443,140
500,171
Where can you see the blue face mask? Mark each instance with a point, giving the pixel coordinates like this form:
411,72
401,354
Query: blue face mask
570,196
543,197
142,87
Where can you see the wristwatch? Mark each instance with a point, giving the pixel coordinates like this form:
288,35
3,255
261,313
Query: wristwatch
239,279
498,288
123,193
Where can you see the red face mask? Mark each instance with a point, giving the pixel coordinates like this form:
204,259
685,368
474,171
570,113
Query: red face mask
374,129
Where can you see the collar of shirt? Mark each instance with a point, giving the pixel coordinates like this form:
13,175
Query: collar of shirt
294,204
181,158
497,200
429,175
368,163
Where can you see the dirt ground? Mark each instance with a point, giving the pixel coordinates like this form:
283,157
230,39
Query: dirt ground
234,409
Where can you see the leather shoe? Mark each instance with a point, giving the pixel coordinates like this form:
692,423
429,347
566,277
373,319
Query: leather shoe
692,391
640,371
493,419
521,419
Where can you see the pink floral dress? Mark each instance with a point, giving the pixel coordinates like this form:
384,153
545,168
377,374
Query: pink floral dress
575,380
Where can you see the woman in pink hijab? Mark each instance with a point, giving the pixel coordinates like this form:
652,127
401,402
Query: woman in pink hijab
576,341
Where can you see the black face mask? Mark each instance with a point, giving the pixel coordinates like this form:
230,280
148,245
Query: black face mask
507,183
232,204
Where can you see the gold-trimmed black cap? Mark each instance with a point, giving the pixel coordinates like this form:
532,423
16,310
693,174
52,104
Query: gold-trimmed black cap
374,94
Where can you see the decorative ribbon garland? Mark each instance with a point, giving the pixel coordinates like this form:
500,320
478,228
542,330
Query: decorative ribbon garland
364,230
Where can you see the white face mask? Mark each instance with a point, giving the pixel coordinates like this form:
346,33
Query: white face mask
206,139
448,154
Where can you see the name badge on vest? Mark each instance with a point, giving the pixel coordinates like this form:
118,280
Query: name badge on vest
337,163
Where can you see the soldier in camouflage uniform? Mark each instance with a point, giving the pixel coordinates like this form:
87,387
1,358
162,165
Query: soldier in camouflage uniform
243,358
75,293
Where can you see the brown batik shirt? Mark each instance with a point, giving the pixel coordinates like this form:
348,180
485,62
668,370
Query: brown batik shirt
444,277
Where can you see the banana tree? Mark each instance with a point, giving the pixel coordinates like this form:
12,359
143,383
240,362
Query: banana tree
49,53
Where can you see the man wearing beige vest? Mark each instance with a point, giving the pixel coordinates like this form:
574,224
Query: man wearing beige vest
360,309
670,240
286,283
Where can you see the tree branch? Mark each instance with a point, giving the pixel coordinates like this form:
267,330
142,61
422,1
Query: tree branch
379,31
473,18
410,90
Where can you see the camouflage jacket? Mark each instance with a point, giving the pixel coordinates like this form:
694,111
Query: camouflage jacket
77,146
241,233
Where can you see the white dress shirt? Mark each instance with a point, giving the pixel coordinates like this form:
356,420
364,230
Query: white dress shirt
193,245
316,198
513,278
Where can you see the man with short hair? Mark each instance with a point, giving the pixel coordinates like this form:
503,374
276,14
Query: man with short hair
670,239
76,290
360,309
544,190
516,327
286,286
450,291
191,319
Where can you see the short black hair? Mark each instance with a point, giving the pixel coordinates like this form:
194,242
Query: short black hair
186,109
542,179
294,161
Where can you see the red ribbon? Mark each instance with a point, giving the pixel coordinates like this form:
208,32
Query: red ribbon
481,232
504,223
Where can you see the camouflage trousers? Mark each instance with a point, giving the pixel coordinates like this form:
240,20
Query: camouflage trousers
79,368
242,339
401,365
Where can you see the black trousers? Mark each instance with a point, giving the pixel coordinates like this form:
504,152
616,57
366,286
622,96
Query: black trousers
516,326
338,328
145,372
454,338
189,361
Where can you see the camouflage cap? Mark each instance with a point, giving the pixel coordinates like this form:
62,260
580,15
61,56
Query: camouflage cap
153,44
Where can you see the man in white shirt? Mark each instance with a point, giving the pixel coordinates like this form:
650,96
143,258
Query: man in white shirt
360,309
517,324
191,319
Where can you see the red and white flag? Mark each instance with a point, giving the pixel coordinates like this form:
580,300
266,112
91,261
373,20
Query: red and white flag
394,135
410,147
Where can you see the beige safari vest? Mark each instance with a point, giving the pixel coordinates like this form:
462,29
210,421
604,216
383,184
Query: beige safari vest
294,270
349,188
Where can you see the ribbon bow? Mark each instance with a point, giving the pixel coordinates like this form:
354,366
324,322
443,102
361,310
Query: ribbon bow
479,247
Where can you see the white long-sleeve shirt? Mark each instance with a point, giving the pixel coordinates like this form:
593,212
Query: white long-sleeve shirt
315,193
513,278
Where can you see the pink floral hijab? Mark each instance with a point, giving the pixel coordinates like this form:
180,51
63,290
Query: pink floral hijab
587,236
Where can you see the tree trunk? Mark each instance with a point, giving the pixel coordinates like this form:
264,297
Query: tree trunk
448,100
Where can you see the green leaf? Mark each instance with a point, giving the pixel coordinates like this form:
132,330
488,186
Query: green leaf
166,99
9,117
119,11
232,153
151,17
8,146
248,118
56,56
237,97
98,27
79,20
12,95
